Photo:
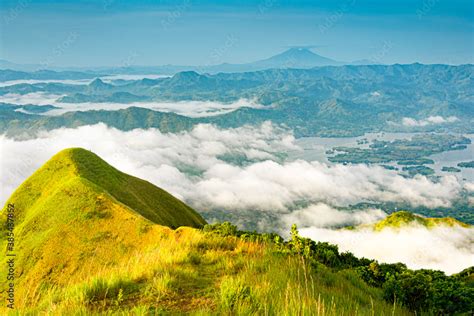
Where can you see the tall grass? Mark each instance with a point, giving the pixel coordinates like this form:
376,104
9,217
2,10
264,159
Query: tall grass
188,271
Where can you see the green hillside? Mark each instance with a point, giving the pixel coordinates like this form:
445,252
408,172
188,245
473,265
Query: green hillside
323,101
91,240
404,218
84,176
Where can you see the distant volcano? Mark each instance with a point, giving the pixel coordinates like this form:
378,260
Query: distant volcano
296,58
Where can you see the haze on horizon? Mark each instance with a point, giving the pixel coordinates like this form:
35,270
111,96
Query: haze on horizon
187,32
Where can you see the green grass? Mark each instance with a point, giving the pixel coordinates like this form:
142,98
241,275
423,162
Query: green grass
240,278
91,240
403,218
76,164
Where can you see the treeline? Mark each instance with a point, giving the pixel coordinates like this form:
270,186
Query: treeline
422,291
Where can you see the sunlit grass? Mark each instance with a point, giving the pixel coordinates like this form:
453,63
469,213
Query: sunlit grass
81,251
190,271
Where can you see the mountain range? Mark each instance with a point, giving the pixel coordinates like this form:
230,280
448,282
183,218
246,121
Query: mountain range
296,57
323,101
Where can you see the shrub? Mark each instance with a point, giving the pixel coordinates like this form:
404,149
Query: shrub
101,289
222,229
235,296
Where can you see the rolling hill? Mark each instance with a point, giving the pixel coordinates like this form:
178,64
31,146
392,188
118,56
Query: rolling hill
78,171
87,239
324,101
403,218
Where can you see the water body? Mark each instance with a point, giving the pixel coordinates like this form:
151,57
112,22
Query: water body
453,157
314,149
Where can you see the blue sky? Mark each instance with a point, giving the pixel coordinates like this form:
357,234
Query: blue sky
120,33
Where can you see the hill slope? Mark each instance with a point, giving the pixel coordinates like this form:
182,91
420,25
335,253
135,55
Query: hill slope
403,218
74,169
86,242
78,214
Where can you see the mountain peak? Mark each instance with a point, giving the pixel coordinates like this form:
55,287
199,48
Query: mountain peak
403,218
299,51
187,75
77,170
97,83
296,57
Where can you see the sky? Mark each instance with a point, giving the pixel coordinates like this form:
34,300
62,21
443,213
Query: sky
189,32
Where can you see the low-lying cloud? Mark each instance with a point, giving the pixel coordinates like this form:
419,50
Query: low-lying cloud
186,108
37,98
408,121
107,79
321,215
243,170
449,249
193,166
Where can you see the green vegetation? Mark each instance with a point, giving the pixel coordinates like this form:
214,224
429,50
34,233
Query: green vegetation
388,167
15,123
417,161
460,209
403,218
8,74
196,272
324,101
88,242
404,151
423,170
118,97
450,169
468,164
421,291
76,168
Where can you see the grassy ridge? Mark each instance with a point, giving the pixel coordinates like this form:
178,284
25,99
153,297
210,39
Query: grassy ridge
188,270
151,202
403,218
72,164
91,240
77,214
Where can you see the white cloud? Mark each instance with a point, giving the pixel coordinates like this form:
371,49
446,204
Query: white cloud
35,81
107,79
324,216
407,121
267,186
186,108
375,94
37,98
450,249
469,186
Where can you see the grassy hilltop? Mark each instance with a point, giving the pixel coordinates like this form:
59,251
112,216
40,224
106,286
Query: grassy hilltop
80,177
90,240
404,218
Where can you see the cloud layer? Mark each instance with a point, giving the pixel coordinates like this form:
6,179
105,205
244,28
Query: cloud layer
107,79
408,121
186,108
194,166
442,248
243,170
321,215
